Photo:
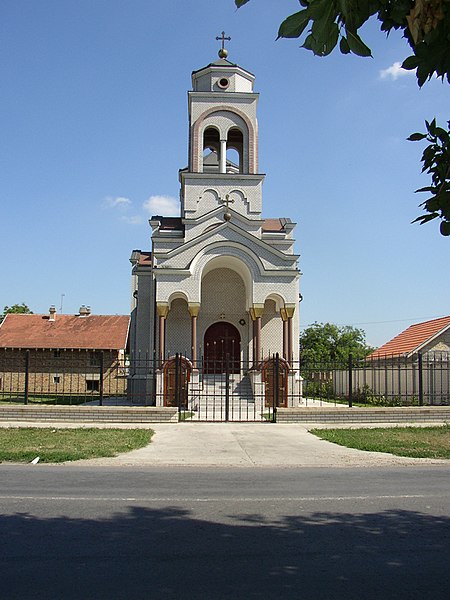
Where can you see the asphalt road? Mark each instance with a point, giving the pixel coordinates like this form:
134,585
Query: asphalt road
119,533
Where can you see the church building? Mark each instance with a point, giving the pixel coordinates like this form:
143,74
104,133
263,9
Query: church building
220,281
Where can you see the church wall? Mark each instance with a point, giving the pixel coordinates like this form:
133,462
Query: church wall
178,329
271,330
142,323
199,200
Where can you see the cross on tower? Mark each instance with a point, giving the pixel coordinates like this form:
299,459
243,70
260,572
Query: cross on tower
223,52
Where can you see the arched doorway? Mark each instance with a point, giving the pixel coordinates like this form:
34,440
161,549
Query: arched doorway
222,341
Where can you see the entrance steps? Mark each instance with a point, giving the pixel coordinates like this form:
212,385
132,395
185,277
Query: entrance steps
208,399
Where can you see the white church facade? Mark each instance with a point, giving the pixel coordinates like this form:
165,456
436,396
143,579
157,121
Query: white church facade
220,282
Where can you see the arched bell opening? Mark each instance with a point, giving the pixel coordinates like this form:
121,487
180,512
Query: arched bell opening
235,149
211,150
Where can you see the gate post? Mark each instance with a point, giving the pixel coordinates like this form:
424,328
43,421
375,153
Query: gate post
420,379
27,376
276,395
102,367
227,386
350,380
177,382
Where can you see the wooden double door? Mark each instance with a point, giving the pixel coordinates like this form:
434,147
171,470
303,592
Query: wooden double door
222,348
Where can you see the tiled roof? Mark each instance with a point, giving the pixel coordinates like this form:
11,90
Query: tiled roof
93,332
273,225
412,338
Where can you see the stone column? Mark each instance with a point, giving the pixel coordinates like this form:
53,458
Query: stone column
223,156
285,333
256,312
194,308
162,310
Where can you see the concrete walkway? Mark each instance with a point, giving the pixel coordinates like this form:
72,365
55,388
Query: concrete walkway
247,445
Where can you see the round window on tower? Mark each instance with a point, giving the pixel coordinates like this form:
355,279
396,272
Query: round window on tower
223,83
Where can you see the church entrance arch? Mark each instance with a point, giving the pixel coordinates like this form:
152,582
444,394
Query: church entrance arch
222,343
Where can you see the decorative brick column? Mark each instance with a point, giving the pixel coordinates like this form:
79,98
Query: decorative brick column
289,310
194,309
256,312
163,310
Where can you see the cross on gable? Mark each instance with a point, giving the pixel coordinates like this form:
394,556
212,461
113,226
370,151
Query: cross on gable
227,200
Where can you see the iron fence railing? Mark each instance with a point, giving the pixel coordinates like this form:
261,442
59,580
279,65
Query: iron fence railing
225,389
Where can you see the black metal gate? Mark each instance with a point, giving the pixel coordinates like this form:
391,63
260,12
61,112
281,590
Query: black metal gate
224,393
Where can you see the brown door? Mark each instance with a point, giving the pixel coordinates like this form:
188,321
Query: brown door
170,381
221,340
269,378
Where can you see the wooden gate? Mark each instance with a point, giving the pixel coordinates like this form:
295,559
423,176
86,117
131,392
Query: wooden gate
275,372
177,374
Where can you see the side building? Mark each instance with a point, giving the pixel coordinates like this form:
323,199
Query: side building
63,355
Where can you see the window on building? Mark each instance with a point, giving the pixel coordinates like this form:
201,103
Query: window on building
94,359
92,385
56,379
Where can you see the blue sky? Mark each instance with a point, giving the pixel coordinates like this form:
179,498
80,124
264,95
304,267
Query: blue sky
93,122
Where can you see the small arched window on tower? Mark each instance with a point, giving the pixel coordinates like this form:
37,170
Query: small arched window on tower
211,150
235,148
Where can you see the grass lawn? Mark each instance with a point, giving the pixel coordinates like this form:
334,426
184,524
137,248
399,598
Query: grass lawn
23,444
416,442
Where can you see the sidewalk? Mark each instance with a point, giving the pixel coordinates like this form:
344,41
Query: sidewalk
248,445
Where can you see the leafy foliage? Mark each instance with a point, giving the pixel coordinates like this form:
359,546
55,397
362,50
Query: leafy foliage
325,24
425,25
15,308
436,162
329,344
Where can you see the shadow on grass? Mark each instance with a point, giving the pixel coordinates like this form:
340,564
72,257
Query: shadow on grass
160,554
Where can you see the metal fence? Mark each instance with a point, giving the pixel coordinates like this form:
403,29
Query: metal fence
223,390
388,381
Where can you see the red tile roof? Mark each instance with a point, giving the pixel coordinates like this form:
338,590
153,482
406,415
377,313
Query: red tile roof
273,225
93,332
412,338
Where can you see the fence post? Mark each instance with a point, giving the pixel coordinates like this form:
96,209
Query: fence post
276,396
27,376
420,379
227,386
350,380
100,389
177,382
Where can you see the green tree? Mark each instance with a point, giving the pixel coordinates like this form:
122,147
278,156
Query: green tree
325,24
326,344
15,308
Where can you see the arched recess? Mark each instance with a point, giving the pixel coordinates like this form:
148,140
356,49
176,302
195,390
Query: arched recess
227,255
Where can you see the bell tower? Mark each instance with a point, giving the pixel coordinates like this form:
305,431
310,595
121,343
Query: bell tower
223,141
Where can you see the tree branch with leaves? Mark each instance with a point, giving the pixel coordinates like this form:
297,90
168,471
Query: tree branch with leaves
325,24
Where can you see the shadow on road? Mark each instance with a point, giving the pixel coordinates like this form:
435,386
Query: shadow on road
160,554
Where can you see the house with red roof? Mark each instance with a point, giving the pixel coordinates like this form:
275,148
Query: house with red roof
429,337
63,354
